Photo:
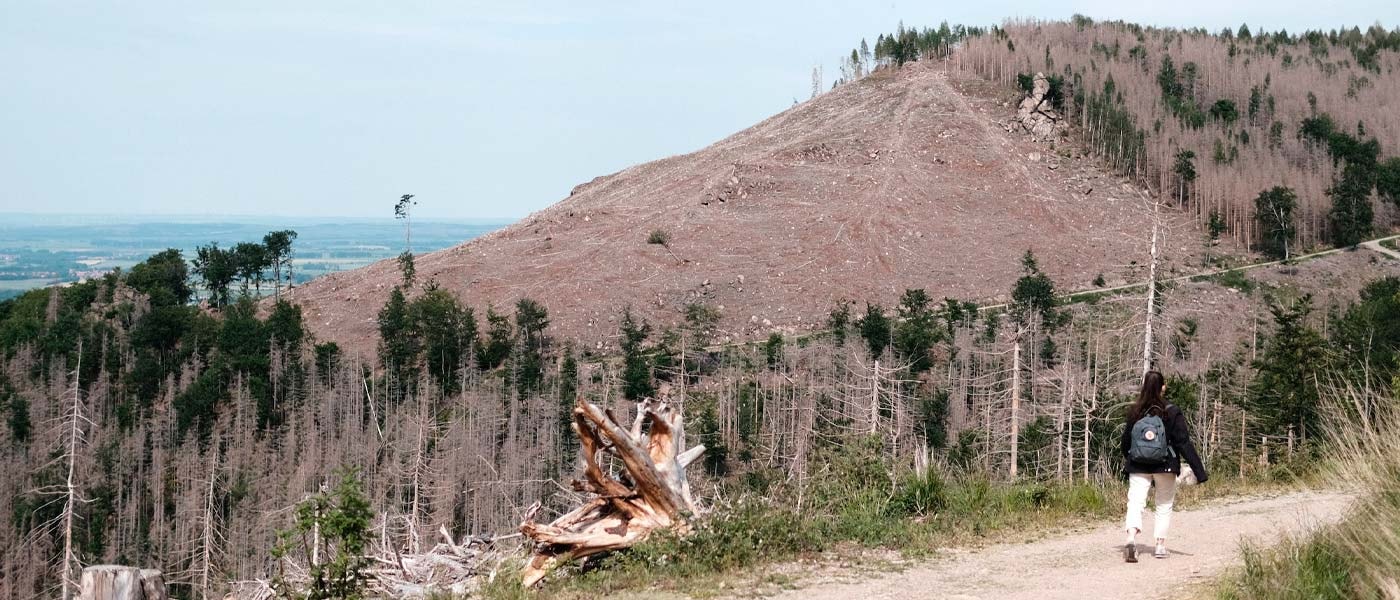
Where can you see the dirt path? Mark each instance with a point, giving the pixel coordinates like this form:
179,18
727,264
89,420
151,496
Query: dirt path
1089,564
1376,245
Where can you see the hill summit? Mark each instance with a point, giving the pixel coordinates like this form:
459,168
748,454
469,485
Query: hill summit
907,178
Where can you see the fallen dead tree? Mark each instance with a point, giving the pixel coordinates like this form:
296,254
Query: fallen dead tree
619,510
654,495
450,567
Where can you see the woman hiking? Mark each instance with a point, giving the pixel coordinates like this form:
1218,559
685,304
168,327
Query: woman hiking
1155,439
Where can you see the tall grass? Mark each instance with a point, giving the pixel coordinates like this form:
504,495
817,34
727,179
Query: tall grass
1359,557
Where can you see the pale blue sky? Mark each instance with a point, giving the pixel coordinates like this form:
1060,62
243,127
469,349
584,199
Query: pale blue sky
481,109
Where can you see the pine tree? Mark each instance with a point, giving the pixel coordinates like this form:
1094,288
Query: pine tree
917,330
1185,173
336,526
838,322
407,269
1033,296
875,329
773,350
1215,225
568,398
1273,209
636,370
398,342
1285,390
446,331
531,319
493,351
1365,337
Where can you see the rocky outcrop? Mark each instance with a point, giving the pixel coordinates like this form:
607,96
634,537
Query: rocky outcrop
1037,116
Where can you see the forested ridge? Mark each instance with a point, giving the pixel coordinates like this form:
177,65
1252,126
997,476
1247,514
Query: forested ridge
230,417
1215,121
206,438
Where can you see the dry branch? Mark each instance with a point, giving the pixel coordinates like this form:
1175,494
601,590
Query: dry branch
655,497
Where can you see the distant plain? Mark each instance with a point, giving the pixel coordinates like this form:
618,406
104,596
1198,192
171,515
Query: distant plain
38,250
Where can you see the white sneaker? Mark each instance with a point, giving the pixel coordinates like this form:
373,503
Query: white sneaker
1160,552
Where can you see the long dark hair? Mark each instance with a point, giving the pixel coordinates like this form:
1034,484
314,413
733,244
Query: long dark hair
1154,386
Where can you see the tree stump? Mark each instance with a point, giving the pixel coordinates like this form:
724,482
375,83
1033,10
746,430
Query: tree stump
116,582
657,495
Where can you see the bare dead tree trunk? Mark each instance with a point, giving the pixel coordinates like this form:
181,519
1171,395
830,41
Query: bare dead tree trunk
618,516
875,399
1015,404
1151,292
74,425
1242,442
418,470
1093,403
209,533
1214,428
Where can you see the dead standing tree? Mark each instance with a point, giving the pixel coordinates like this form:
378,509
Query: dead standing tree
618,515
76,423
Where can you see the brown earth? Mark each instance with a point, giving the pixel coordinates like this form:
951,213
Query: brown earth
1204,543
905,179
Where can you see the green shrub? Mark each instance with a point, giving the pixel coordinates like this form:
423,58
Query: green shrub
1237,280
341,517
1081,498
659,236
1294,570
736,536
919,494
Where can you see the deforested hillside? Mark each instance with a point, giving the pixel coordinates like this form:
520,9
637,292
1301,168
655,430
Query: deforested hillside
982,304
903,179
1211,120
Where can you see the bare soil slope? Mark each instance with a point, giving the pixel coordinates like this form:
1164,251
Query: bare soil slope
1090,565
901,180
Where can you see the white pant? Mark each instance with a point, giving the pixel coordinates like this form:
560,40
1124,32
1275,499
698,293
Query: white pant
1137,501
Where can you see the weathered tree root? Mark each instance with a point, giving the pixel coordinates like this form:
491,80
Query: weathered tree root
618,516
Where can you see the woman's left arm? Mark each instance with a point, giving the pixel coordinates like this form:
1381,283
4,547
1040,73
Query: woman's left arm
1181,440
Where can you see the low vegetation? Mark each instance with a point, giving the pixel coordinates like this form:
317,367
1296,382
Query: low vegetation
857,501
854,496
1357,557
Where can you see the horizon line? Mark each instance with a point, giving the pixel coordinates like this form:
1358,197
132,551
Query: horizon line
215,217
